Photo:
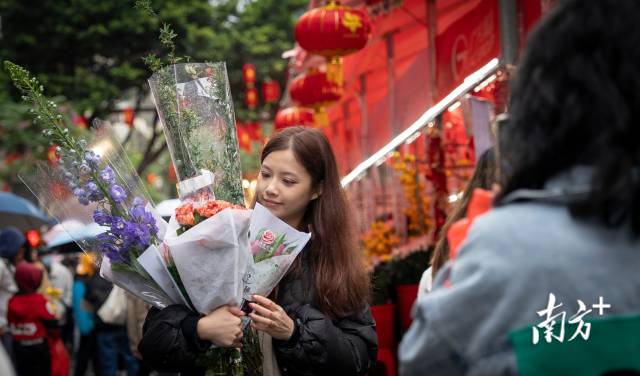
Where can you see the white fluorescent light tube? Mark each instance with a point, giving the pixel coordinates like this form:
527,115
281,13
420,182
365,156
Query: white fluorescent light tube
468,84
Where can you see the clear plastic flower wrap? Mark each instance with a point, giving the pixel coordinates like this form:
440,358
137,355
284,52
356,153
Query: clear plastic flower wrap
94,183
196,112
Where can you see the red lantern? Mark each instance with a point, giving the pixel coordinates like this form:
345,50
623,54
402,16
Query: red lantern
172,173
151,178
129,115
293,116
33,238
254,130
251,97
52,156
79,120
316,90
270,91
244,139
10,158
333,30
249,74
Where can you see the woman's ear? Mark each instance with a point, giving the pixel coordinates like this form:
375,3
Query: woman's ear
317,193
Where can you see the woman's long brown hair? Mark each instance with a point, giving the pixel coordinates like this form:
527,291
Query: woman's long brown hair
341,282
483,177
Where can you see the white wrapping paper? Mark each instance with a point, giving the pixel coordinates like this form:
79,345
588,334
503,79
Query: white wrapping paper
212,258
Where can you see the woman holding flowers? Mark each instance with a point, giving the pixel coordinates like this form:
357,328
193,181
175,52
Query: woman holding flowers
318,316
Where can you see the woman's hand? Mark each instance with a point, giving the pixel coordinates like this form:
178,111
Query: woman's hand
270,318
223,327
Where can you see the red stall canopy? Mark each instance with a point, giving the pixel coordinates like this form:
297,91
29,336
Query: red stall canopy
387,84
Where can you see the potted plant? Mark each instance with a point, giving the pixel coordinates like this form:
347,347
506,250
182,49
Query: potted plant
405,276
383,311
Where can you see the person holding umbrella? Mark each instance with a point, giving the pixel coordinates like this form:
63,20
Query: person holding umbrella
12,243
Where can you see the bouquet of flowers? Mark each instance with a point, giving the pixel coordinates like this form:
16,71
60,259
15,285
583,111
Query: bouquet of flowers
274,246
105,182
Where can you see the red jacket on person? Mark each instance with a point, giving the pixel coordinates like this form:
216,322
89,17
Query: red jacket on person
28,314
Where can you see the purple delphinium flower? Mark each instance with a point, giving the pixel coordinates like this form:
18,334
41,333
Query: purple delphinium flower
95,194
101,217
81,195
108,244
92,158
117,193
117,225
84,169
137,201
135,235
106,175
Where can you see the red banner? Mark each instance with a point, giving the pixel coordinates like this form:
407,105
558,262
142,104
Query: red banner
466,45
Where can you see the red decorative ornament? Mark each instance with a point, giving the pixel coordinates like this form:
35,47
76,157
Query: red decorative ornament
254,130
333,30
171,175
52,156
316,90
270,91
293,116
151,178
249,74
251,97
79,120
244,139
128,115
33,238
10,158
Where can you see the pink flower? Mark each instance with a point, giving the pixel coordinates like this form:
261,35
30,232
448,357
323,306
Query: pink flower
267,237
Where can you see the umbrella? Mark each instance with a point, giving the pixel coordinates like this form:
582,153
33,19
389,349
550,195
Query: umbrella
62,228
19,212
65,241
166,208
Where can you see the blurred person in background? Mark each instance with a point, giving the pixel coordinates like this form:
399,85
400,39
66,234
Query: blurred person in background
84,318
30,316
110,326
484,177
12,243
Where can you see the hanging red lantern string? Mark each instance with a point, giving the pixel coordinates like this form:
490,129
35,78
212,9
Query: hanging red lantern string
293,116
333,31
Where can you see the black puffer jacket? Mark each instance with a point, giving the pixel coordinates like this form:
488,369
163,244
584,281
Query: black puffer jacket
319,346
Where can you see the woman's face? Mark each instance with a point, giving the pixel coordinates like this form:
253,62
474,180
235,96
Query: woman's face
284,187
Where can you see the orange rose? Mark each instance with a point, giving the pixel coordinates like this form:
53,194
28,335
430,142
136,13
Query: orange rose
213,207
184,214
